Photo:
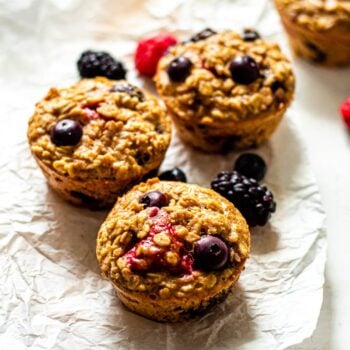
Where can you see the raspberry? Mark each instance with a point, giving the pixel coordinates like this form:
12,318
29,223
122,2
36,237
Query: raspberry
345,112
160,249
149,51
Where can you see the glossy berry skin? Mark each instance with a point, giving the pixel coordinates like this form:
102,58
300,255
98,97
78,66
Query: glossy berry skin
244,70
175,174
154,199
179,69
66,132
202,35
128,89
255,202
251,165
250,35
345,112
98,63
149,52
210,253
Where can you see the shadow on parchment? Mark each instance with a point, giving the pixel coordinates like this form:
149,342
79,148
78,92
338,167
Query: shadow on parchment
264,239
74,231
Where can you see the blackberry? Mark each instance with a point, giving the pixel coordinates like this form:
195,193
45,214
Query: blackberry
254,201
98,63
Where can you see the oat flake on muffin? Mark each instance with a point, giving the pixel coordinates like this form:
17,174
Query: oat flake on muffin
318,30
124,136
228,91
171,249
318,15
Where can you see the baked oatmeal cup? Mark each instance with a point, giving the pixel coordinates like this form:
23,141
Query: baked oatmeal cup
318,30
96,139
225,90
172,250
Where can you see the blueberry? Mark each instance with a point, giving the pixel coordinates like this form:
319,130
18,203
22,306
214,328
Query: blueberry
318,55
128,89
175,174
142,158
251,165
210,253
154,199
179,69
244,70
276,85
66,132
250,35
202,35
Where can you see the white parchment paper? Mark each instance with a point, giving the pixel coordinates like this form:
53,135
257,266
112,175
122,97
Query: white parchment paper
52,295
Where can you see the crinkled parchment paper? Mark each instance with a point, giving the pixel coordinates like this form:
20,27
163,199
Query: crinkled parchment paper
52,295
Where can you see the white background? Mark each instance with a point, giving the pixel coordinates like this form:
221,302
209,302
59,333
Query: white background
319,95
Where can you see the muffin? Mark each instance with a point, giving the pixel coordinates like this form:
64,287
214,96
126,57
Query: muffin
96,139
172,250
225,90
318,30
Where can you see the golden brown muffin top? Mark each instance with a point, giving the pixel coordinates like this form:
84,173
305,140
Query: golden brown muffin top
318,15
150,249
210,95
125,130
